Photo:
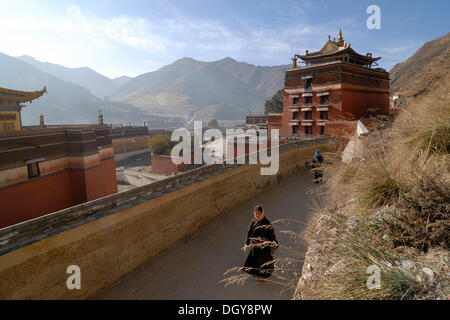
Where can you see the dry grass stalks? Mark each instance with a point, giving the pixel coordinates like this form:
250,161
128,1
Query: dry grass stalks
396,195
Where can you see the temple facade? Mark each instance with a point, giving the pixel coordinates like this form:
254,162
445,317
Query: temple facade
46,168
334,88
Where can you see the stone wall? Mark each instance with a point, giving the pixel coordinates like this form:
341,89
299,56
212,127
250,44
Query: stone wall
114,235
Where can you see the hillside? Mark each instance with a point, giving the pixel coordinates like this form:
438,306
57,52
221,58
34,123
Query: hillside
427,70
225,89
65,102
387,209
99,85
120,81
265,80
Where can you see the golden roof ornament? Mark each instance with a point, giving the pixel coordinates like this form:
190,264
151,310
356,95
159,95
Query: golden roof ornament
340,41
294,62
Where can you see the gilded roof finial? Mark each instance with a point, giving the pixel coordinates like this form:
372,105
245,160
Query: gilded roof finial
294,62
340,41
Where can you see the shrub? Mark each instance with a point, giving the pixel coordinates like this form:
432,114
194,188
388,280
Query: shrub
160,144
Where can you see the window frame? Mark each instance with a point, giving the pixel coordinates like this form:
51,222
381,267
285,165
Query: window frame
305,113
322,131
308,84
307,128
32,175
305,101
322,98
321,115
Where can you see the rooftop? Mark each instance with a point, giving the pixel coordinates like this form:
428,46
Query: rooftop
20,96
335,51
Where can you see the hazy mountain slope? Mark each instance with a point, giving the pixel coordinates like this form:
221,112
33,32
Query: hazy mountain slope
120,81
99,85
224,89
427,70
265,80
65,102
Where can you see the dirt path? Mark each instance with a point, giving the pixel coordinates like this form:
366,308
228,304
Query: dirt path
193,267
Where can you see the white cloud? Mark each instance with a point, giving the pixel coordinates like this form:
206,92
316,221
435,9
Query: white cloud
110,45
129,31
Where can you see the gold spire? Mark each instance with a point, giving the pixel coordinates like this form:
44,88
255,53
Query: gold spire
340,41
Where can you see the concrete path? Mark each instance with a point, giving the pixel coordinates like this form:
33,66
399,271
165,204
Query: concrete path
193,267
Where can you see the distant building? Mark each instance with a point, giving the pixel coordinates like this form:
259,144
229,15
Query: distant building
129,139
45,168
333,90
257,121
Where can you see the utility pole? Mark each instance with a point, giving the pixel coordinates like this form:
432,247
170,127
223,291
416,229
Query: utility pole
124,146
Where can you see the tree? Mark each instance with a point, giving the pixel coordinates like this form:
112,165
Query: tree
213,123
160,144
274,105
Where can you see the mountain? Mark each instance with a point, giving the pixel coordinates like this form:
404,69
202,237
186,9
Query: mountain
99,85
120,81
224,89
64,102
263,79
424,72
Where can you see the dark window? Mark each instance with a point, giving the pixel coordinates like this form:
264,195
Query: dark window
294,115
33,170
323,115
308,84
294,130
308,115
295,101
8,126
322,130
6,117
308,100
324,99
308,131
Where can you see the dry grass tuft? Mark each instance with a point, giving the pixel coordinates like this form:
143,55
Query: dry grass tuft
394,195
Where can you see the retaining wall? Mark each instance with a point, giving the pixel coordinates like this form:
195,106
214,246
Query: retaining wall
114,235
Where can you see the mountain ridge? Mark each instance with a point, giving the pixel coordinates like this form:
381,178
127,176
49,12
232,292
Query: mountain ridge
64,102
98,84
180,87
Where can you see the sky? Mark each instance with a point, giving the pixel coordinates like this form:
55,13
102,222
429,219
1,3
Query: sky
116,37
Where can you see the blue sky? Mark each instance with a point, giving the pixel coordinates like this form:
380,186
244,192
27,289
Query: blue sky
135,36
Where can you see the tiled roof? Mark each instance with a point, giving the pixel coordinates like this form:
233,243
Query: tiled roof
20,96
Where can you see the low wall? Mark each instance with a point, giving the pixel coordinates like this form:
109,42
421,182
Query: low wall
122,156
114,235
130,144
164,165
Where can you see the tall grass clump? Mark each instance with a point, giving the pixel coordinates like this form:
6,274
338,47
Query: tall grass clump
394,194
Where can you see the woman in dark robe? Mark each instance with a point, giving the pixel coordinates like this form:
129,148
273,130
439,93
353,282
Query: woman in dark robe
260,232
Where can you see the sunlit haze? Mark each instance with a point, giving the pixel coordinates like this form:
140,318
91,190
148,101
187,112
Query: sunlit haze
131,37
